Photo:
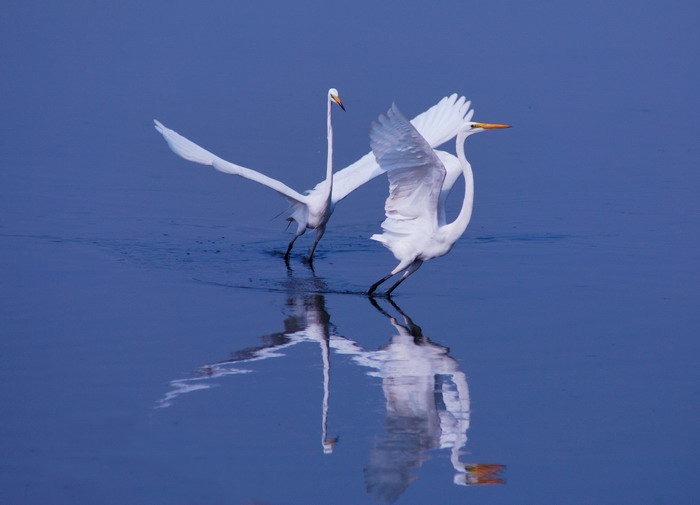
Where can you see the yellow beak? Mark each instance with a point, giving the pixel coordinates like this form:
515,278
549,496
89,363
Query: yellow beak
487,126
337,100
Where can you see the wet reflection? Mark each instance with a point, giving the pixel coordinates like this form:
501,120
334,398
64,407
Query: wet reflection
427,408
425,392
307,321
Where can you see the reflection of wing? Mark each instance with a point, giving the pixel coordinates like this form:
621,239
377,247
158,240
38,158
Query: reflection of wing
415,174
275,343
307,321
437,125
427,405
182,386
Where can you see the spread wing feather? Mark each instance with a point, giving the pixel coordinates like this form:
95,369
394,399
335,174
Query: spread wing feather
415,173
437,125
192,152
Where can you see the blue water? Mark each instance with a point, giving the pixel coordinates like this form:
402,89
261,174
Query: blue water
155,348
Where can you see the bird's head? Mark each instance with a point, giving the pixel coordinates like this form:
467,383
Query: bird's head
470,128
333,95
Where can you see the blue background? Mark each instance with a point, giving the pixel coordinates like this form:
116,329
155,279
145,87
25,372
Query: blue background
571,302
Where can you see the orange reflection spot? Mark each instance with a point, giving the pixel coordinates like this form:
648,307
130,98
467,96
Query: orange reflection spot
484,475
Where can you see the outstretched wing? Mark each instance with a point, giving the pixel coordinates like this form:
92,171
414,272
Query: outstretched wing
415,173
440,123
436,125
190,151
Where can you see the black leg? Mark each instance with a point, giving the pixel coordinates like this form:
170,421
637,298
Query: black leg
387,293
289,249
374,286
414,266
319,234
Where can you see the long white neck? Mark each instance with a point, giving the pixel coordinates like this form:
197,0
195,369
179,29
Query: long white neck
457,227
454,170
329,161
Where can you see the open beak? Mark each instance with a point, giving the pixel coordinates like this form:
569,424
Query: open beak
487,126
337,100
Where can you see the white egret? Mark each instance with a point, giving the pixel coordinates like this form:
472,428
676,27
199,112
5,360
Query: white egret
309,211
415,229
313,208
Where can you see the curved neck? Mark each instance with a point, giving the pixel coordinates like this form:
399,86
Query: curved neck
458,226
329,161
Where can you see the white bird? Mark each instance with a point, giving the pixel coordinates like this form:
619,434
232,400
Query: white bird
309,211
313,208
415,229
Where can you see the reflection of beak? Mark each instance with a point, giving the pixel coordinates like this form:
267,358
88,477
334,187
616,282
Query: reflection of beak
480,475
337,100
487,126
328,445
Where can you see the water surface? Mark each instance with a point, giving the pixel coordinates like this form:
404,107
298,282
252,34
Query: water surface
157,350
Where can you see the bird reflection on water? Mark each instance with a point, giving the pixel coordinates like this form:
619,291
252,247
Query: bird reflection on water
427,408
307,321
426,395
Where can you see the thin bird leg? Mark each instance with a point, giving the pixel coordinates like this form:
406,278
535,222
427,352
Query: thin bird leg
319,233
414,266
374,286
289,249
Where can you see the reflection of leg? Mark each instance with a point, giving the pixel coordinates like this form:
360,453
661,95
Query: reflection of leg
414,266
378,307
412,327
391,318
397,308
319,233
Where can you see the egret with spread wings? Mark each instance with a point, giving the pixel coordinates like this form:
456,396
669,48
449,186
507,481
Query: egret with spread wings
310,211
313,208
415,229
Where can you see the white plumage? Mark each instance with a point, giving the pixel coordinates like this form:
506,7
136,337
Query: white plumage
313,208
419,181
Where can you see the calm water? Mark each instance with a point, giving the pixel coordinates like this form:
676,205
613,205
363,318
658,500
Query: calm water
155,349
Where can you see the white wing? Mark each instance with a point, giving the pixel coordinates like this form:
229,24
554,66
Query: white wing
415,173
437,125
440,123
192,152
